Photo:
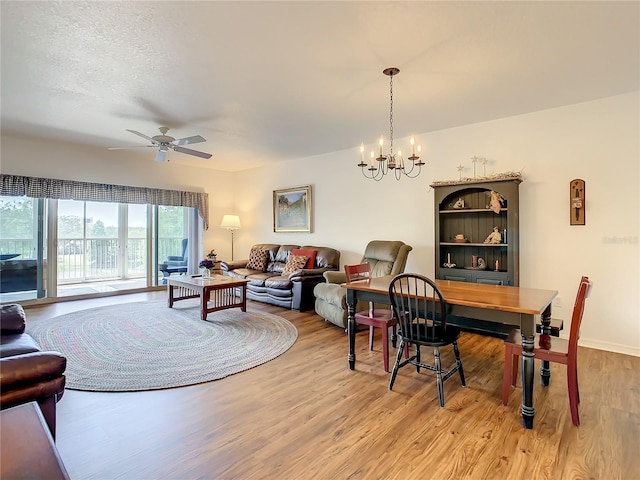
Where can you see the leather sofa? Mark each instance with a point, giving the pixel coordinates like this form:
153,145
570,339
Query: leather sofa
28,374
384,257
269,285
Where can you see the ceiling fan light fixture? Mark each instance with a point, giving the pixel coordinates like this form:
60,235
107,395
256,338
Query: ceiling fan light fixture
161,156
165,142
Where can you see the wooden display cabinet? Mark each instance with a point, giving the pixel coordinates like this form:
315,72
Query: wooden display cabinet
475,220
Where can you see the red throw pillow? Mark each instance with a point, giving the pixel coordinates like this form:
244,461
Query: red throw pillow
310,254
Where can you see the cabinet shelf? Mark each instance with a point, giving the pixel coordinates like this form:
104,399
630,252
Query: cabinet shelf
464,269
460,244
471,210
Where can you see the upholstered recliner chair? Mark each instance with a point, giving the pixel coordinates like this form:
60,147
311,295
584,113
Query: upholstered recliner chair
176,263
385,258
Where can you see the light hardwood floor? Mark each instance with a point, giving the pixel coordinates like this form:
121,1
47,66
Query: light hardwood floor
305,415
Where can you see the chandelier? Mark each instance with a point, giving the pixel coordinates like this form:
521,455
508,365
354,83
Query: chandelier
382,165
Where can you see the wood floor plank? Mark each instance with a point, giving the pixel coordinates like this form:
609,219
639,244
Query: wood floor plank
305,415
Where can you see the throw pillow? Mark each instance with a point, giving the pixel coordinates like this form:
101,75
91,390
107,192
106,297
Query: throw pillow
310,254
258,259
294,263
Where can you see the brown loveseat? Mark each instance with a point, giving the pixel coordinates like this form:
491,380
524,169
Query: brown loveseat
268,284
28,374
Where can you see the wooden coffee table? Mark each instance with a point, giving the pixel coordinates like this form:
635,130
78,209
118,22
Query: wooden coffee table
216,292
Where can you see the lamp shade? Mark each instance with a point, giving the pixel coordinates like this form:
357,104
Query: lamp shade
230,222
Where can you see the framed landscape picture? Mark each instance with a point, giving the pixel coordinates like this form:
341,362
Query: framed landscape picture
292,209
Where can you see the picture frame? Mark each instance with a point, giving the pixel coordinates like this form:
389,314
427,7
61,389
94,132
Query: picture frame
292,209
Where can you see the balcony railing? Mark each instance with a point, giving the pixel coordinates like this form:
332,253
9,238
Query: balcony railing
81,260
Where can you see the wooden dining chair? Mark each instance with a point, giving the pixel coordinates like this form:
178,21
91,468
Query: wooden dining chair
551,349
381,318
421,310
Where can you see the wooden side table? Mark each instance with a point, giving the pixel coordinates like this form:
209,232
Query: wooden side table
217,269
28,450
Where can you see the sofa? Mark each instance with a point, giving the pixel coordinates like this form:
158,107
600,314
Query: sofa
28,374
273,277
384,257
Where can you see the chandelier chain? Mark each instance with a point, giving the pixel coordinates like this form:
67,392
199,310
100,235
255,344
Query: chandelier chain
391,115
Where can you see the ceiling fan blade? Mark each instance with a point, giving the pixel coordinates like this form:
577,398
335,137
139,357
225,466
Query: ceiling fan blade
161,156
189,140
132,146
141,135
188,151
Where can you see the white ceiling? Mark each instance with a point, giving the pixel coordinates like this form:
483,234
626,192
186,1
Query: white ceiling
267,81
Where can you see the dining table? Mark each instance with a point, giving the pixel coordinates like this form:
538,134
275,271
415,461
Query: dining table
503,306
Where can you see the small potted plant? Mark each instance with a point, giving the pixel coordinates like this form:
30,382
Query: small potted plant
207,264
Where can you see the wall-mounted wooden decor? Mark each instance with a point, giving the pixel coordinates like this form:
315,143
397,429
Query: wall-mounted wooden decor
577,202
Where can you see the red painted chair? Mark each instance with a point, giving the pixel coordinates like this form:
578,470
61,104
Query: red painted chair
375,318
551,349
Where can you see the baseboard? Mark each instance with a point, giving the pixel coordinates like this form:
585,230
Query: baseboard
610,347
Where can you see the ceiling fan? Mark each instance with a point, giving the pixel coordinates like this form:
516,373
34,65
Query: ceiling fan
165,142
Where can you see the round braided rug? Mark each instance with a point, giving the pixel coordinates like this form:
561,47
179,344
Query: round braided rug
148,346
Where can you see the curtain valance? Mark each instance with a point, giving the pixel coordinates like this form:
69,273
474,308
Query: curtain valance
17,185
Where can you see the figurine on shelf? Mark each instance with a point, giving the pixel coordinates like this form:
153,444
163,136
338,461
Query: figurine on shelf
494,237
477,263
459,203
496,202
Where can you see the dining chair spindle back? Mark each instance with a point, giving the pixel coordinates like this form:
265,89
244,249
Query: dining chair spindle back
421,310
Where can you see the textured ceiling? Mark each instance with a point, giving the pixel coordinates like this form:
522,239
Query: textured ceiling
268,81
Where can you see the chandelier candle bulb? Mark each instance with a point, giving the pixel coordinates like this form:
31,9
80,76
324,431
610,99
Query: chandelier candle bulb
413,148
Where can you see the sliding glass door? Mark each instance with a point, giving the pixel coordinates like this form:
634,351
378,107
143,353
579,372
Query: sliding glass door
96,246
22,248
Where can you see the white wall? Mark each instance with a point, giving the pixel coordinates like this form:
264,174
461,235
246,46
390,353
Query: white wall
596,141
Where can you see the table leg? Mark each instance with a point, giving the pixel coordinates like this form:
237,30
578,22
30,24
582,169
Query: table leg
528,365
204,297
170,301
545,371
244,297
351,327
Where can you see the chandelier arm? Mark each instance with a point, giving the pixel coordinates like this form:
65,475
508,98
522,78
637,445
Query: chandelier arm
372,176
408,174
